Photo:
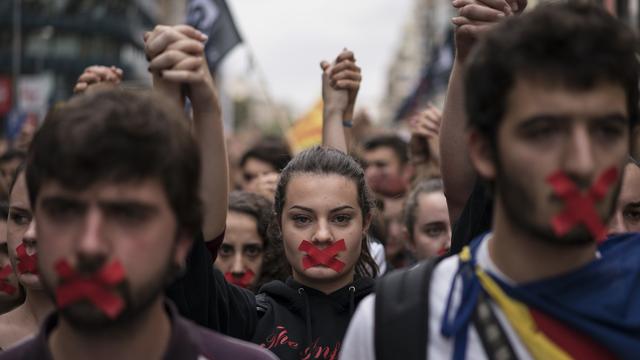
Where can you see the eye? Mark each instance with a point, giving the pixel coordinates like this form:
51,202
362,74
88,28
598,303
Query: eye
608,131
542,132
542,128
253,251
631,214
342,218
20,218
434,230
248,177
301,220
225,250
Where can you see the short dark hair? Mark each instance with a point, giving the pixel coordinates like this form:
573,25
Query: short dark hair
575,43
392,141
411,204
119,135
271,150
328,161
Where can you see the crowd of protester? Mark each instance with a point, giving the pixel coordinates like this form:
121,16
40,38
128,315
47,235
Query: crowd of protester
501,228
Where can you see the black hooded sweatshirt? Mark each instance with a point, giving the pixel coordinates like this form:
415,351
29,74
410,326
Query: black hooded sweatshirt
291,320
298,322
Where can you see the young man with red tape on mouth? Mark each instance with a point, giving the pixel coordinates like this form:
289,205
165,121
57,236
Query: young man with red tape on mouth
115,178
552,98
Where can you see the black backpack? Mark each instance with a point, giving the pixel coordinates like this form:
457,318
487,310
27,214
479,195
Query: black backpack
402,301
402,304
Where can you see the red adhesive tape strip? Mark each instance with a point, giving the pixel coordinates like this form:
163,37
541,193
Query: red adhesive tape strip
5,287
26,263
242,281
579,207
327,256
97,288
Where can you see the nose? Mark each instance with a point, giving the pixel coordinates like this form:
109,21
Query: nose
579,162
237,267
30,235
616,224
323,232
91,242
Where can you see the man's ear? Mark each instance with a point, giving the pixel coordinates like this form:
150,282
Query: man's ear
481,155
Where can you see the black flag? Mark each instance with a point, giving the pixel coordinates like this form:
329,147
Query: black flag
213,18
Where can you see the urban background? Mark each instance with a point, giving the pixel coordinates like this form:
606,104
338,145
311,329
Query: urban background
46,44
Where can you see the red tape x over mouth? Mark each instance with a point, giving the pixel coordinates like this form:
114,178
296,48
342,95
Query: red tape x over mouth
242,281
97,288
26,263
579,207
327,256
5,287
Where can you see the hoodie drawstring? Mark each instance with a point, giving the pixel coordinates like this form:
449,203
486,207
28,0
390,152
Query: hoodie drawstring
352,300
308,315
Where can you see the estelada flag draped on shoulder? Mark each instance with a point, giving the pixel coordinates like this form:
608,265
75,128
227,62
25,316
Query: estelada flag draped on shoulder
600,302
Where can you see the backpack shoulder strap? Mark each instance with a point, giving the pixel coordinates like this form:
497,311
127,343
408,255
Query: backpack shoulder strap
402,301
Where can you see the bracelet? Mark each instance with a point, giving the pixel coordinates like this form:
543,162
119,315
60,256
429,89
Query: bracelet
347,123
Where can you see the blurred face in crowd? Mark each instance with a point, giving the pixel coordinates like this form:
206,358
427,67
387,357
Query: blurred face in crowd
242,249
130,222
322,209
395,242
254,168
546,128
21,230
627,215
431,230
7,300
384,171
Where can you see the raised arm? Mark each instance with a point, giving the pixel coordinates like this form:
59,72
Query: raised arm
473,20
178,63
424,143
340,85
179,66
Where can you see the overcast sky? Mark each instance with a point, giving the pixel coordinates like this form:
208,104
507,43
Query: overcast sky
289,38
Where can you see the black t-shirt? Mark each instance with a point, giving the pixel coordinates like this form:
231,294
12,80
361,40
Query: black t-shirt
474,220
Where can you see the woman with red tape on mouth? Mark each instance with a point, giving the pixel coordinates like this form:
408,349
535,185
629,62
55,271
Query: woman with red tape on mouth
323,209
24,320
245,256
11,293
